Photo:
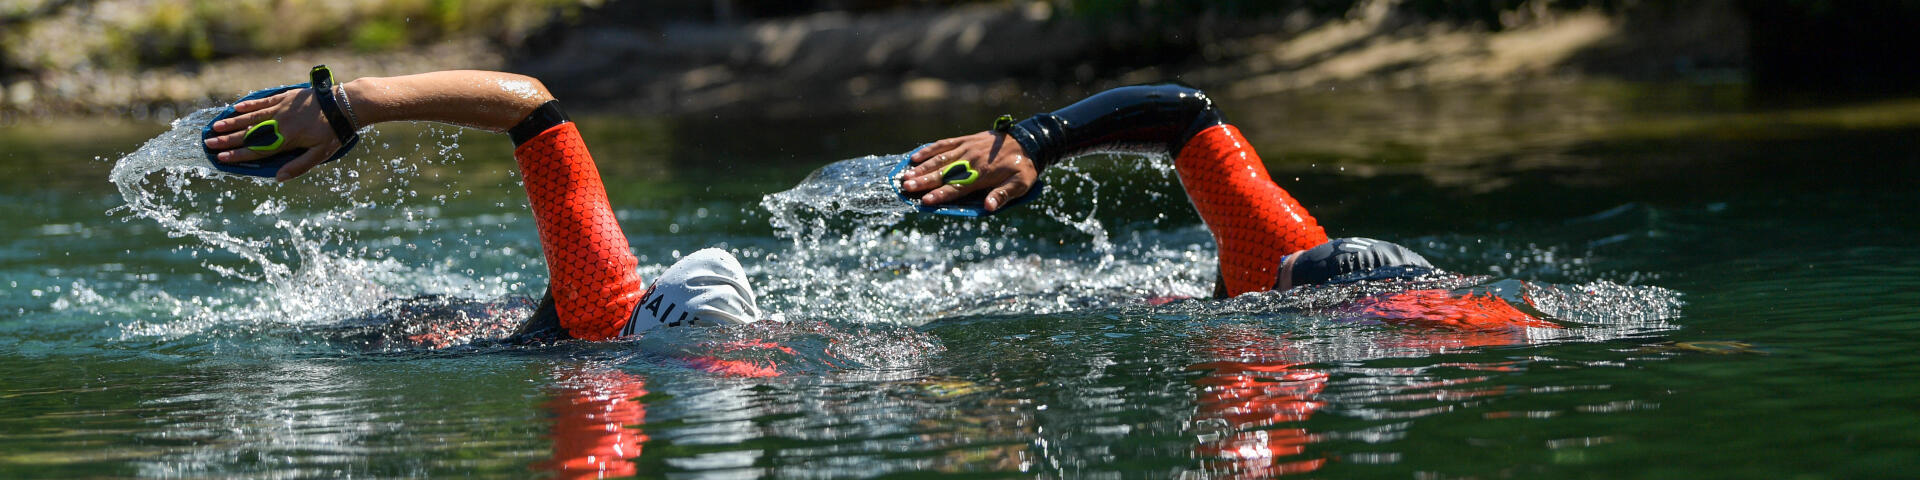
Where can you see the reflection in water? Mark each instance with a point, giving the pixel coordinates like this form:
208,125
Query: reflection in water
1258,383
1254,388
976,431
596,423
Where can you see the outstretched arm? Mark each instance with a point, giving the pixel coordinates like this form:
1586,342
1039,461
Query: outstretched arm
492,101
1254,222
594,283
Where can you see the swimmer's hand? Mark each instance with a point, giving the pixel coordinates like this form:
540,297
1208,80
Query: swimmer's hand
300,121
1002,163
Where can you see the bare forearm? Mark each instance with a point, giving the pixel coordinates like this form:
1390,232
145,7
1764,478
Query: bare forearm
474,98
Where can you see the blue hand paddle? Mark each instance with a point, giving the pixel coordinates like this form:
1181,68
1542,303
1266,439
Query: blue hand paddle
264,136
959,173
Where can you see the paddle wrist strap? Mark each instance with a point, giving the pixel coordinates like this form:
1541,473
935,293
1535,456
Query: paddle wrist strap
322,83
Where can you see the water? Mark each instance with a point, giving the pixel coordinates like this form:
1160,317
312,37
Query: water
1733,279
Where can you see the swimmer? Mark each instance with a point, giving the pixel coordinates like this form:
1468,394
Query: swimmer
595,292
1266,239
1258,389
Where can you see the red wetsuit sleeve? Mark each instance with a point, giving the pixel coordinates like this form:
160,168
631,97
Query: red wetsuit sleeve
594,284
1254,222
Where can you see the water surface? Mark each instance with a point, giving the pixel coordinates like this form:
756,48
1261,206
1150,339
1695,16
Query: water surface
1735,275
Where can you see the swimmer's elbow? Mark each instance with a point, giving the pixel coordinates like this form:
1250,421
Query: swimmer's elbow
525,96
529,92
541,94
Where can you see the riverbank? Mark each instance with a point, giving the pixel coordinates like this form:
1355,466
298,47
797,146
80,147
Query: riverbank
983,54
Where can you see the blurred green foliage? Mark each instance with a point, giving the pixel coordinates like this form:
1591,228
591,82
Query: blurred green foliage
121,34
1802,43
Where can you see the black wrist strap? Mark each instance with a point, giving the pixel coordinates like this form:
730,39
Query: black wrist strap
322,82
543,118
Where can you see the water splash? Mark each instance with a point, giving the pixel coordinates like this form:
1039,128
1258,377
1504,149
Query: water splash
177,156
290,254
857,191
856,252
292,264
847,253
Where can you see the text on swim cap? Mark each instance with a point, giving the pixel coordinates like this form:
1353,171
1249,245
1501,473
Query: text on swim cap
651,303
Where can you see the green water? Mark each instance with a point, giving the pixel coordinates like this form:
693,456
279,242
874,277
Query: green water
1736,269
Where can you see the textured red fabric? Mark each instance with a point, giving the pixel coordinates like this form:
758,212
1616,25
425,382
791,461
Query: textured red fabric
596,419
1254,222
1444,309
590,265
1257,385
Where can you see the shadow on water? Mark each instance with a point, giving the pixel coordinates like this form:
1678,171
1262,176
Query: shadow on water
1692,266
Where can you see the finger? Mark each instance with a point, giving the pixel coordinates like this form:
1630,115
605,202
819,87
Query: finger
935,149
940,163
934,174
936,162
238,155
921,183
950,192
306,161
228,141
1014,188
259,103
237,122
941,195
928,178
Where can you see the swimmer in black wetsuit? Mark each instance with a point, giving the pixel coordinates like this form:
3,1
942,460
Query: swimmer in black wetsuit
595,292
1256,390
1266,239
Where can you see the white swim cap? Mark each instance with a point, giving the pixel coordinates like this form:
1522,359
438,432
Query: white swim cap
706,288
